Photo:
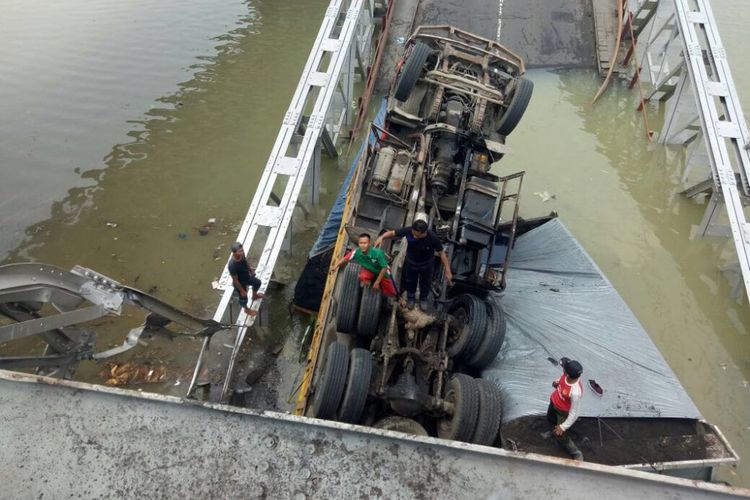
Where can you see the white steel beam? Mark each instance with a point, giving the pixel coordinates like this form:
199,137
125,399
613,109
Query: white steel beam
335,40
724,134
684,39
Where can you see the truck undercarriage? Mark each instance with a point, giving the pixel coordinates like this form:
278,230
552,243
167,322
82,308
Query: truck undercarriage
455,99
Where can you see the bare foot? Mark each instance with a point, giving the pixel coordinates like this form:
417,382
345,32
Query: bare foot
258,295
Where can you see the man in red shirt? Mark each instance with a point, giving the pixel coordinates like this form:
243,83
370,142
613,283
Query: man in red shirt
565,405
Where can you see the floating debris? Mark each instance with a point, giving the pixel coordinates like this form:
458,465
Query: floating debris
130,373
208,226
111,224
545,196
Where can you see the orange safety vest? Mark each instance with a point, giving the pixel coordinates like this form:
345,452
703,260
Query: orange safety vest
561,395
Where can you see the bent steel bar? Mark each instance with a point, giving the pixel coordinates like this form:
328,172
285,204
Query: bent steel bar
67,292
44,324
150,303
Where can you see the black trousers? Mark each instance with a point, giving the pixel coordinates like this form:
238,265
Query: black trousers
253,283
556,417
419,274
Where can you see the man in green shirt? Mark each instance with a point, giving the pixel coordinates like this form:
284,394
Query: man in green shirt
374,266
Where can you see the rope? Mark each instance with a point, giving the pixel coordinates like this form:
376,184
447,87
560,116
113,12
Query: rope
613,61
622,15
637,79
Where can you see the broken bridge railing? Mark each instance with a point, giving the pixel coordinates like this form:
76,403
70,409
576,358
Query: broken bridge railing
682,62
76,297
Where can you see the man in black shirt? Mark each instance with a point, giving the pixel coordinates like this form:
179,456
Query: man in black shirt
243,277
420,255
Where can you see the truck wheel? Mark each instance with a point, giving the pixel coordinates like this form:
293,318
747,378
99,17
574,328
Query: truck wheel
357,386
471,315
411,71
490,413
493,338
517,106
463,393
401,424
348,306
369,313
330,387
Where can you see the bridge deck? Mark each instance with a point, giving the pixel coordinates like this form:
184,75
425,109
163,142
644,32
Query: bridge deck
104,442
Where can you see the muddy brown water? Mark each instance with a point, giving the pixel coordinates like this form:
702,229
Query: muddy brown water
157,117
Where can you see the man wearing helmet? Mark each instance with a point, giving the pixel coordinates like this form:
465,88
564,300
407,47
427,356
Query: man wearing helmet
565,405
420,255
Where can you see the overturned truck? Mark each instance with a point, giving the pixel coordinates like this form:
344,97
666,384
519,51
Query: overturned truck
455,99
475,366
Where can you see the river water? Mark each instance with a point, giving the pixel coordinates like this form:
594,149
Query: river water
125,126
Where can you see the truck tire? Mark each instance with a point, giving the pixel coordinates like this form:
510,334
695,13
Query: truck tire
357,386
490,413
330,387
411,71
462,391
493,338
517,107
472,316
369,312
348,306
401,424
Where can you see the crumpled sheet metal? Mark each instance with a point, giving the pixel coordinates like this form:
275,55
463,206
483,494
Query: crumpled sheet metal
558,303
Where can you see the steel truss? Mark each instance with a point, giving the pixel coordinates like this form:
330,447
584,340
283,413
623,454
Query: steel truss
683,59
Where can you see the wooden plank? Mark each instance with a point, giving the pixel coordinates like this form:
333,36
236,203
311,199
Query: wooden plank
605,22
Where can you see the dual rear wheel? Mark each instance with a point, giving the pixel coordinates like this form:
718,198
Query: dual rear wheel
476,411
478,331
358,310
341,391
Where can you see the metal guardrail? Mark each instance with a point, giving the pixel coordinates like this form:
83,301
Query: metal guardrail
79,295
685,61
321,104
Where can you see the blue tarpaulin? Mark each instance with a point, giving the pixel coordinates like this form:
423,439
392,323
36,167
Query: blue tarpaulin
558,303
330,229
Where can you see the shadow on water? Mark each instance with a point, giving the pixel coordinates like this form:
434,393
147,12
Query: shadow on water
196,155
